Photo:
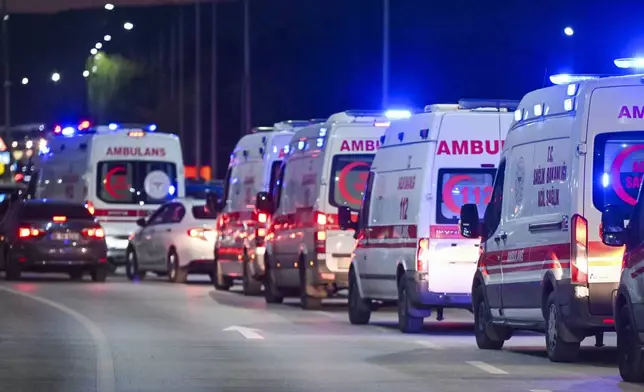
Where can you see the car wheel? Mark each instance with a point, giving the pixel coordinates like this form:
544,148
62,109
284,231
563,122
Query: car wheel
99,274
272,294
558,349
629,349
359,309
482,317
250,286
407,323
306,301
176,274
132,267
12,269
221,283
76,275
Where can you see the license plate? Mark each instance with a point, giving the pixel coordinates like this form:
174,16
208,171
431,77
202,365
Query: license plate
65,236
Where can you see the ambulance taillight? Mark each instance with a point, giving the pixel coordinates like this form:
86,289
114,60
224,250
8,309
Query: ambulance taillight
422,255
579,250
90,207
260,228
320,233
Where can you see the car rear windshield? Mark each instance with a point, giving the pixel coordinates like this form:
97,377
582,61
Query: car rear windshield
349,175
47,211
462,186
136,182
618,165
202,212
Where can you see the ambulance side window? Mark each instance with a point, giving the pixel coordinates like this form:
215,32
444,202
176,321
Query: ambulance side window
363,216
277,189
226,195
492,217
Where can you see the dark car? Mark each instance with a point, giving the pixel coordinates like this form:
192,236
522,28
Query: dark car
50,236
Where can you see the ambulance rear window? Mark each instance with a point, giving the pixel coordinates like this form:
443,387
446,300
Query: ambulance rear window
618,166
136,182
462,186
349,175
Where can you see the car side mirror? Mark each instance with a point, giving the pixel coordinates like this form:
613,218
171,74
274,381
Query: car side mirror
612,227
264,202
470,224
141,222
344,219
213,202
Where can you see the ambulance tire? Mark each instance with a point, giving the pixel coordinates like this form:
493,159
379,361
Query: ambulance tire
306,301
558,349
220,282
407,323
482,317
272,294
359,309
629,349
250,286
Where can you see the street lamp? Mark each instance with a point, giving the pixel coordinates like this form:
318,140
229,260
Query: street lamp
25,80
107,38
93,51
98,45
569,31
85,73
128,26
109,6
55,77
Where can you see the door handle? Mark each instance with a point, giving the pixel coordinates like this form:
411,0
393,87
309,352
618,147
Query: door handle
497,239
504,235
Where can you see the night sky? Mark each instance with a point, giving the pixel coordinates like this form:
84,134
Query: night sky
311,58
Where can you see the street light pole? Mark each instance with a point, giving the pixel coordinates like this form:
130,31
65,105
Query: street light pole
7,74
181,81
385,53
198,87
213,96
247,99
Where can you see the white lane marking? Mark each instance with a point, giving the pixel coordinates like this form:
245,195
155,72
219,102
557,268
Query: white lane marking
540,390
428,344
246,332
486,367
105,377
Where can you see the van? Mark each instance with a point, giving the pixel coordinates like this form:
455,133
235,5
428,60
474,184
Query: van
408,248
572,150
120,172
254,164
326,168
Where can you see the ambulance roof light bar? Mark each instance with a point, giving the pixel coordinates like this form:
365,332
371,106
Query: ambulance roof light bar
262,129
569,78
498,104
364,113
626,63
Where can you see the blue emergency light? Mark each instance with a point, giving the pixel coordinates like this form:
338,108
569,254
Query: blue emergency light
397,114
568,78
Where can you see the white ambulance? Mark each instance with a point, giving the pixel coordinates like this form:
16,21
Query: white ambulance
253,168
325,169
572,150
409,249
121,173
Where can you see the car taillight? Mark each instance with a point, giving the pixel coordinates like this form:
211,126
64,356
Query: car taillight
28,232
202,233
579,250
422,255
320,233
95,232
90,207
60,219
262,217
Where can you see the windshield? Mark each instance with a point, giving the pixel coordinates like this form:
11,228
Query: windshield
47,211
348,179
140,182
462,186
617,169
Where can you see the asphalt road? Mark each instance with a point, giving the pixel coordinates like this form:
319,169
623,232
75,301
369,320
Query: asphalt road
57,335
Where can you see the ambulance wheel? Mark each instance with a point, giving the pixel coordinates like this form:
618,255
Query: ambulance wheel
272,294
482,318
250,286
359,309
221,283
132,267
629,349
558,349
306,301
407,323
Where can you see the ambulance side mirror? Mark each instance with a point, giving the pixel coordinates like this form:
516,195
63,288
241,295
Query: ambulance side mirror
141,222
613,230
470,225
344,219
264,203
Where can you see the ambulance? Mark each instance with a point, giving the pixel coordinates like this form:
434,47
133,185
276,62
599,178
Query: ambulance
121,173
326,167
408,249
572,151
253,168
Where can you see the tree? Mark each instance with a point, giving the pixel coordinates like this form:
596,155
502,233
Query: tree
109,76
